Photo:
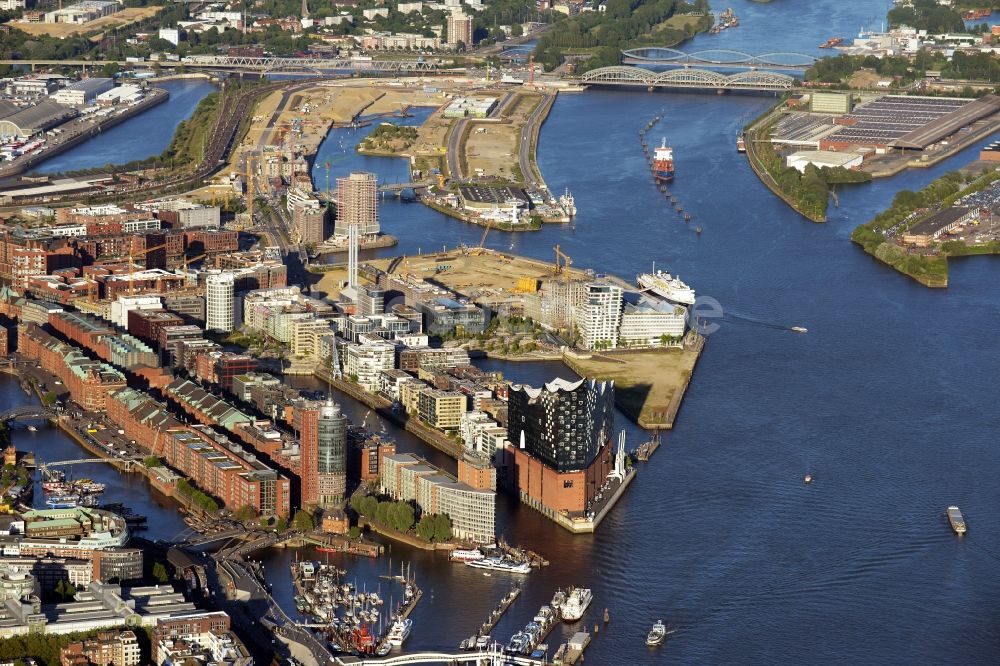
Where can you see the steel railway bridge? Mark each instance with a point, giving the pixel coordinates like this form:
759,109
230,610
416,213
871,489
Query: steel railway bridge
703,79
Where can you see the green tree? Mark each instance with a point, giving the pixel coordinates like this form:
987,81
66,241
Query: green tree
354,533
152,461
425,528
160,574
442,528
49,398
281,524
302,521
110,70
245,513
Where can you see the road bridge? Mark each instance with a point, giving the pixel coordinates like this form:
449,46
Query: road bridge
718,58
638,77
26,412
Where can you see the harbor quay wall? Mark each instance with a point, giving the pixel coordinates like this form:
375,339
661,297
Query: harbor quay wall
155,97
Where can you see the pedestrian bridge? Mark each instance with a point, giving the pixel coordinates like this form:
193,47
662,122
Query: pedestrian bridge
26,412
724,58
687,78
493,657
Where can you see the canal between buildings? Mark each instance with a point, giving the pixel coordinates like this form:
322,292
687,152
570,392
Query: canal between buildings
887,402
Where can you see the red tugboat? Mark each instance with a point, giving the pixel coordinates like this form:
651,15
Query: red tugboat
663,163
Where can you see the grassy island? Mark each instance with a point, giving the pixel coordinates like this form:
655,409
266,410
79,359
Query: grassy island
388,139
904,236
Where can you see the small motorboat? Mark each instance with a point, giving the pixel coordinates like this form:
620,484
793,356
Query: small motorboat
32,428
808,479
799,329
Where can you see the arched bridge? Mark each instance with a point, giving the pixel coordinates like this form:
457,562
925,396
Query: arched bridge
26,412
664,56
687,78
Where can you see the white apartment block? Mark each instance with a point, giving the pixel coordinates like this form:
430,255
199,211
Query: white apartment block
366,362
599,316
220,297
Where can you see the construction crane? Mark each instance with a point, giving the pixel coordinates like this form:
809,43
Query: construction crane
187,261
132,265
478,250
566,262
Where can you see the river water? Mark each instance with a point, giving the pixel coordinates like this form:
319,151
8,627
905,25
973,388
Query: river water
887,401
137,138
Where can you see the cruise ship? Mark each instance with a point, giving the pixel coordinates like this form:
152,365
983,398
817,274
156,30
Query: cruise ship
666,286
576,603
501,564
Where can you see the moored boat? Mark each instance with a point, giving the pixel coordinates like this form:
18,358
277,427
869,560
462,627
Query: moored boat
399,631
463,555
666,286
576,604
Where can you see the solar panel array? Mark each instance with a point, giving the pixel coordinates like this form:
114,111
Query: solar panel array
891,117
800,127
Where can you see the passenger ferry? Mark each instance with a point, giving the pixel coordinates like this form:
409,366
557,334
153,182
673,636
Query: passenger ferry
462,555
501,564
956,519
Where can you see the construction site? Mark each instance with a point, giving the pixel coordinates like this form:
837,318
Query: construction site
650,383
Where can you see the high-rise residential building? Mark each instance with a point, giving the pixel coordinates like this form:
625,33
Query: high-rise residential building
220,302
322,430
332,455
599,315
459,29
560,453
357,203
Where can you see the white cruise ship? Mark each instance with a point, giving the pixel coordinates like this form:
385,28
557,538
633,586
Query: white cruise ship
576,603
666,286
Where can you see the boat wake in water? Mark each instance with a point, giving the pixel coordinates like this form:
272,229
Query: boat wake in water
742,319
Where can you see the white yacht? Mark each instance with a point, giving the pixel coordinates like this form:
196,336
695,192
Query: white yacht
576,603
399,631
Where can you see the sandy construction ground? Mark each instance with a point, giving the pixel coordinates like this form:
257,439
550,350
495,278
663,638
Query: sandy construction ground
63,30
492,275
491,148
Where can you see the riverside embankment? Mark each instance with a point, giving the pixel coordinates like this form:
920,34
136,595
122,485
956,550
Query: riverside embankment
76,132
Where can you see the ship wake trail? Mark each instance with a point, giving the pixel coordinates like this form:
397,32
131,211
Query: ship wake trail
743,319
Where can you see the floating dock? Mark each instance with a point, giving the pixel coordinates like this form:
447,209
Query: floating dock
501,608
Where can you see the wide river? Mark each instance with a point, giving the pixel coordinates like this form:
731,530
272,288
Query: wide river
886,401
